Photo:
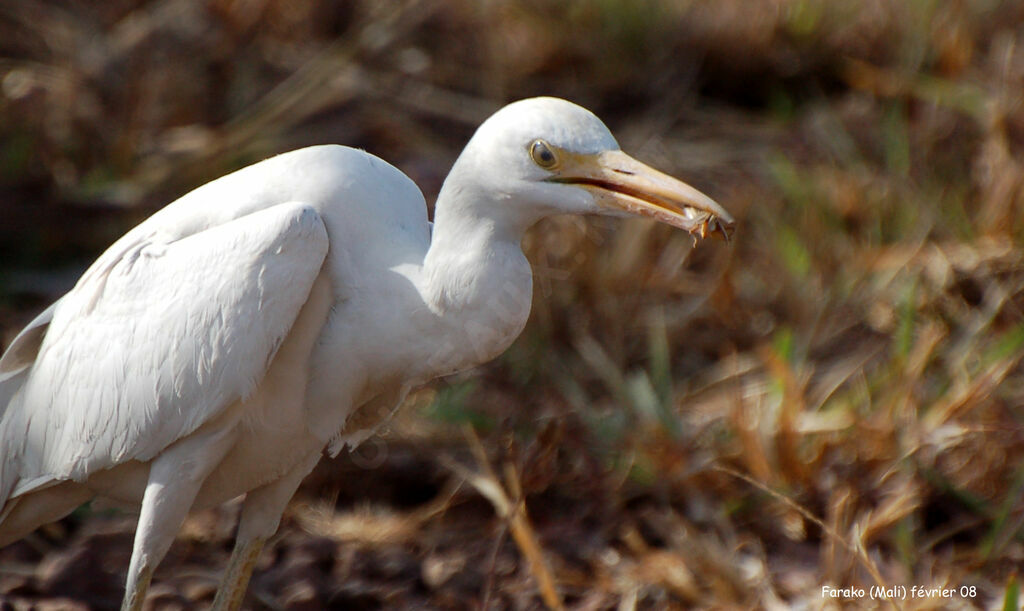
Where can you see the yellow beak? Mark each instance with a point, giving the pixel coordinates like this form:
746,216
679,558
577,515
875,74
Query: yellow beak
621,182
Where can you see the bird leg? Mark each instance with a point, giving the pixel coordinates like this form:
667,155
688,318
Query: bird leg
135,589
236,577
175,477
261,515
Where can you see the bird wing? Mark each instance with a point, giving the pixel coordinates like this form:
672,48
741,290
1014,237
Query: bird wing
20,354
160,336
25,346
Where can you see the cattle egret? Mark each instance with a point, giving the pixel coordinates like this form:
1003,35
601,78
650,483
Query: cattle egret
218,348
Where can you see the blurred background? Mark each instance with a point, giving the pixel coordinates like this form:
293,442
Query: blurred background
835,399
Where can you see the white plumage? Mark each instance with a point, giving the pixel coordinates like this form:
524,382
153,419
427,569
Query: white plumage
221,345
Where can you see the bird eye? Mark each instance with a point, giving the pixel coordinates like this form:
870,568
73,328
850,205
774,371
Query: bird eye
542,154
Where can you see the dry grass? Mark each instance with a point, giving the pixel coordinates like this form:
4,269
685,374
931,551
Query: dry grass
834,399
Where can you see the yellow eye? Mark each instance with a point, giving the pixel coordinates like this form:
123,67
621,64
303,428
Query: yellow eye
542,154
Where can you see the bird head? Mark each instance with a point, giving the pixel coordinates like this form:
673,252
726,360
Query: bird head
544,156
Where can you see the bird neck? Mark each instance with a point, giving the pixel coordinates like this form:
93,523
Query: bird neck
476,278
474,246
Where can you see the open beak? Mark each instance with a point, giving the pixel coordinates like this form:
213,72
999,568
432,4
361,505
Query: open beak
621,182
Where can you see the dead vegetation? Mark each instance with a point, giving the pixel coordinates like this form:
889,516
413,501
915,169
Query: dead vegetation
836,399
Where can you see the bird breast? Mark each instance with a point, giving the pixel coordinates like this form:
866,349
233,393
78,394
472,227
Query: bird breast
477,312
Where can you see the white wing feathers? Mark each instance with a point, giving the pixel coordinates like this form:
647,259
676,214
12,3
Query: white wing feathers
19,355
25,346
159,337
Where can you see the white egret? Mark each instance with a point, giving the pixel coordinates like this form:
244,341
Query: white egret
220,346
